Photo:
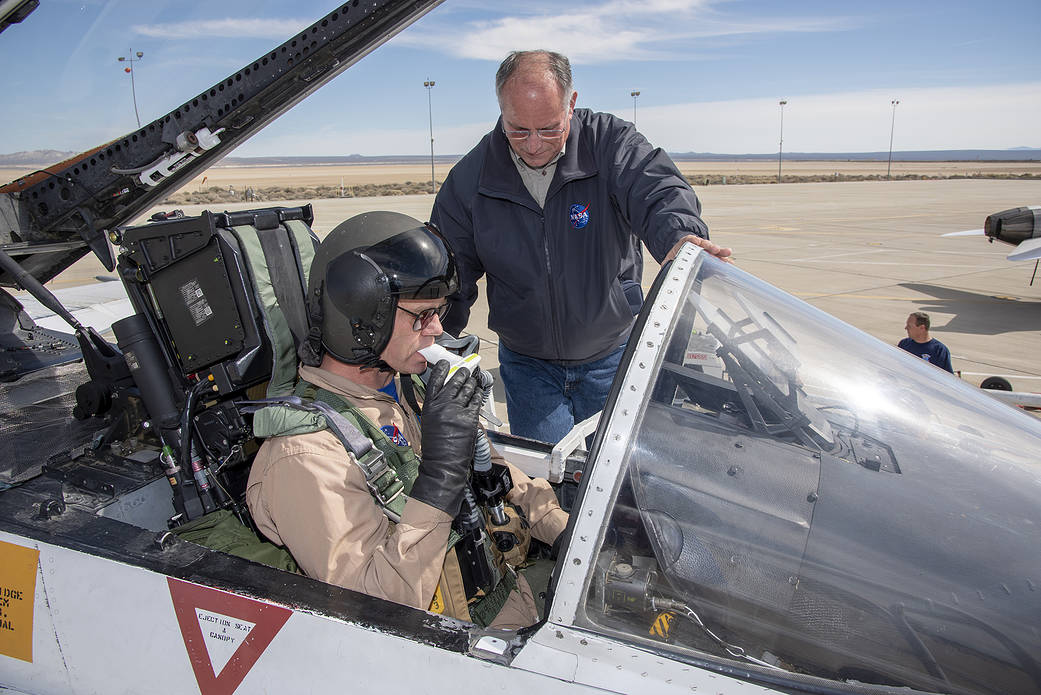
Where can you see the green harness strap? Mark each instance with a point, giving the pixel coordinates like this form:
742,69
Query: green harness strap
391,487
278,262
484,610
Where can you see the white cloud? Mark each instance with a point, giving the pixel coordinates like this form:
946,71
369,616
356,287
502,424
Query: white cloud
277,29
648,30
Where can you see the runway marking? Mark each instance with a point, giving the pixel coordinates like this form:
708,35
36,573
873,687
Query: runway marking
981,298
760,230
917,265
840,255
854,296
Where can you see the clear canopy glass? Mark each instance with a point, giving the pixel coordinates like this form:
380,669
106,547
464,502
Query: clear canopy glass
800,496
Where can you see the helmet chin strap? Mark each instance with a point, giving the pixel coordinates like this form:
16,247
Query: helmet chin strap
310,350
375,362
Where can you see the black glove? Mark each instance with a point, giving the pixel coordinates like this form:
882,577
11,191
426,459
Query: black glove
449,428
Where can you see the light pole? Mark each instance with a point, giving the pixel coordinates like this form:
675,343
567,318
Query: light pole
134,57
780,142
634,94
429,84
892,126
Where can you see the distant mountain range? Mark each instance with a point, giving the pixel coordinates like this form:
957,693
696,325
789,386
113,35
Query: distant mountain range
45,158
34,158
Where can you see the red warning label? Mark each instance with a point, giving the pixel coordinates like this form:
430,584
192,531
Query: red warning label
224,633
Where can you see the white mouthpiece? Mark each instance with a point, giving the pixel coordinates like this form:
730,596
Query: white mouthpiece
435,353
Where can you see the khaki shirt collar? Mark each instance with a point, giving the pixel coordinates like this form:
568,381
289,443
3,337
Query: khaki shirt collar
341,385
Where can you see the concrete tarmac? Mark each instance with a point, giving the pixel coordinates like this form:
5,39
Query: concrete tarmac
868,253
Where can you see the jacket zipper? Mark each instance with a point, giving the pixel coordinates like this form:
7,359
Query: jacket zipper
554,320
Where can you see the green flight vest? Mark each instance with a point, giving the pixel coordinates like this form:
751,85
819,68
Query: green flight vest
389,484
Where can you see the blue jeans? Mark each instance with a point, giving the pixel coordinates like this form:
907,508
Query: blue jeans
545,400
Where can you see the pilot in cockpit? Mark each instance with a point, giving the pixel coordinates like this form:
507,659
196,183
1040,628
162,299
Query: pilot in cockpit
378,289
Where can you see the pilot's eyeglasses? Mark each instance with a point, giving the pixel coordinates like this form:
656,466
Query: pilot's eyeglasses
542,133
423,318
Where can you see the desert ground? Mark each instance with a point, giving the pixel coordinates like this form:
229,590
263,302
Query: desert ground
352,175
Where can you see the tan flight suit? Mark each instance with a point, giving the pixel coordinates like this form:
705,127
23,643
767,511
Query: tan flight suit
305,494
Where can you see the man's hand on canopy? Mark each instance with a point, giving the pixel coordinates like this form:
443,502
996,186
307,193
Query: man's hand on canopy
720,252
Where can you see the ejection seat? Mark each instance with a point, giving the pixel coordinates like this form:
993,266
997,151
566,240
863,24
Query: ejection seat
220,307
225,293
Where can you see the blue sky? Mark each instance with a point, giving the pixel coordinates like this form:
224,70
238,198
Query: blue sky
710,72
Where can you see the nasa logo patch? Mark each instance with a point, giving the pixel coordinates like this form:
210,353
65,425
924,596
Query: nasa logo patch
579,215
395,435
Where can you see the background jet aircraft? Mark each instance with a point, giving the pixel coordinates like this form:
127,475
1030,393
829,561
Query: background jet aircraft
1020,227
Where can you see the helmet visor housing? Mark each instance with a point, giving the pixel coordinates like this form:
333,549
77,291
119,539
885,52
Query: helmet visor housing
418,263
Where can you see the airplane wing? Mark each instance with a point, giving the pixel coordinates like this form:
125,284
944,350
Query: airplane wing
98,305
1027,250
967,232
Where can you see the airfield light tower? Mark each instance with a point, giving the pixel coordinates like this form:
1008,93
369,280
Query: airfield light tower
635,93
133,58
892,126
429,84
780,142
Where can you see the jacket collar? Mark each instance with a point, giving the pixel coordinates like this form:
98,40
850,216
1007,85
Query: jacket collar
578,161
499,177
341,385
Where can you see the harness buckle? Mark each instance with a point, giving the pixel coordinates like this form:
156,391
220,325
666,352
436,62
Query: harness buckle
374,465
385,501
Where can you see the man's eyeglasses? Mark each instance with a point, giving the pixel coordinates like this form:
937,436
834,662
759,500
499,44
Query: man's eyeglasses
423,318
543,134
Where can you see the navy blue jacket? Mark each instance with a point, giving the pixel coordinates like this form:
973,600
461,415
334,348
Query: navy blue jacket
558,277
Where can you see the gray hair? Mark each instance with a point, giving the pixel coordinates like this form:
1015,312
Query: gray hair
556,65
920,318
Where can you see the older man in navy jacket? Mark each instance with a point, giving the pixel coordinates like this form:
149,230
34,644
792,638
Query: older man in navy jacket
552,205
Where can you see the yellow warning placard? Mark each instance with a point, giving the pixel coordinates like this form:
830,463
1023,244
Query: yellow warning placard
17,598
437,604
662,625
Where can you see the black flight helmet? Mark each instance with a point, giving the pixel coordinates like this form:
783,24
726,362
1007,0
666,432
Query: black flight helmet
361,270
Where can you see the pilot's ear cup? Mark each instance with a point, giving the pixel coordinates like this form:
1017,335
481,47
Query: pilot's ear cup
357,307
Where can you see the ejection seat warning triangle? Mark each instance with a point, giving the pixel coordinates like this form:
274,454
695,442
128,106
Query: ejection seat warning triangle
17,599
224,633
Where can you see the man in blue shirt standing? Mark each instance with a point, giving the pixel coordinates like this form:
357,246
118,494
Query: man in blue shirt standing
919,344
